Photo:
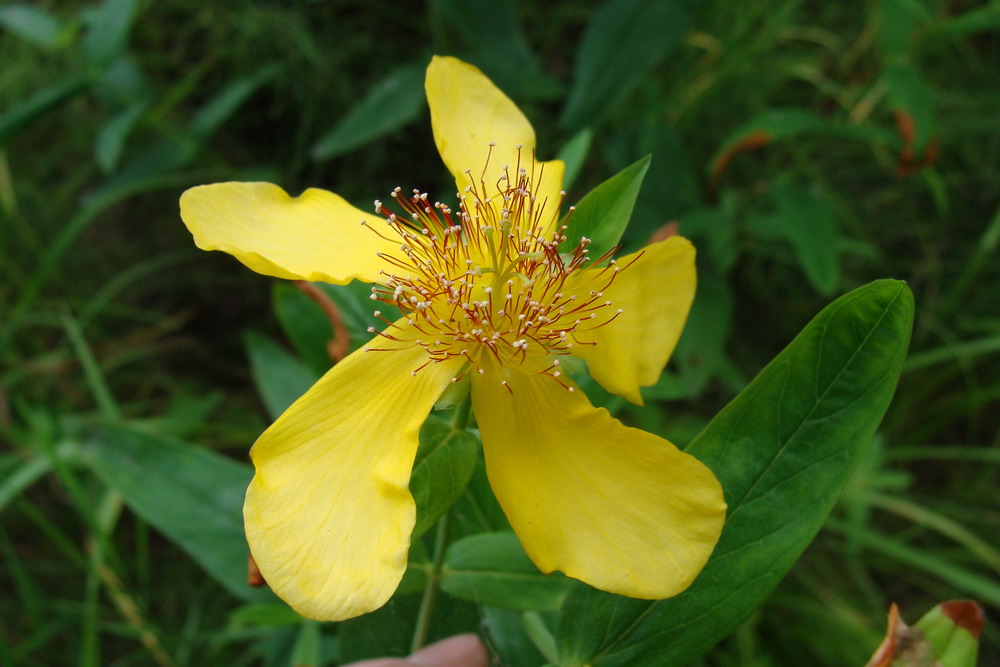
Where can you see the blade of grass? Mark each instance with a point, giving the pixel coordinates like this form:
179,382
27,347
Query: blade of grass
939,523
931,562
92,371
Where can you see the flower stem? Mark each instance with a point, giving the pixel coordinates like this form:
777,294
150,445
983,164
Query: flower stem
433,579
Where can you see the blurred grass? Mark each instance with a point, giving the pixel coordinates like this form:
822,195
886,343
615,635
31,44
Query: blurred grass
109,313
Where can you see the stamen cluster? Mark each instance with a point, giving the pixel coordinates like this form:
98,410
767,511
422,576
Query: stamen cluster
485,281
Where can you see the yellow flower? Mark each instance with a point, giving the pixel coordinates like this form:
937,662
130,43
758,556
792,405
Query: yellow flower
481,291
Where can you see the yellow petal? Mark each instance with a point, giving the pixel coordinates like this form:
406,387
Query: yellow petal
655,293
619,508
468,113
316,236
328,514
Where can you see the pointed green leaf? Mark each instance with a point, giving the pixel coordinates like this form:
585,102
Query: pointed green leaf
443,467
508,638
389,105
604,212
221,107
305,324
191,495
623,41
783,450
495,41
492,568
46,99
280,376
803,218
574,154
909,93
112,135
33,24
109,27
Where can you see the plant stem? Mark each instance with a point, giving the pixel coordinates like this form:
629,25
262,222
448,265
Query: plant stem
433,579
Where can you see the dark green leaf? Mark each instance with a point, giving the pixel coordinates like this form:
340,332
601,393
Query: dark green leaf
604,212
908,93
191,495
356,307
389,105
623,41
803,218
897,22
574,154
111,136
280,377
46,99
388,632
505,633
981,19
492,568
221,107
264,615
305,324
780,124
109,28
478,511
494,40
418,567
672,183
443,467
772,125
783,450
33,24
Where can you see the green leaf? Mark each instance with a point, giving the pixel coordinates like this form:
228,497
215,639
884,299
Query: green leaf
603,214
478,511
897,22
356,307
781,124
22,475
305,324
508,638
32,24
112,135
221,107
803,218
492,568
909,94
981,19
574,154
443,467
494,41
264,615
783,450
307,651
675,184
46,99
624,40
388,631
280,377
109,28
192,495
389,105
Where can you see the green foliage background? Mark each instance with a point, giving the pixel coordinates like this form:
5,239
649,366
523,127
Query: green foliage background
806,148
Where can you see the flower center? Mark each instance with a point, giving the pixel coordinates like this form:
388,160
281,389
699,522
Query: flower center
489,282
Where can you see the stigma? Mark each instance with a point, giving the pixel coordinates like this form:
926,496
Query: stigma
494,281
